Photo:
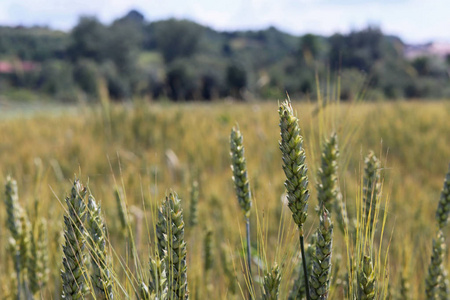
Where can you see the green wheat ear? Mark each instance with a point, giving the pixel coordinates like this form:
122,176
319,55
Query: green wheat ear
121,210
227,266
20,243
208,251
405,287
321,271
435,267
271,285
327,188
38,267
74,259
13,209
371,185
242,187
143,293
294,166
443,209
158,282
444,285
175,252
101,277
161,233
366,280
24,242
193,212
239,168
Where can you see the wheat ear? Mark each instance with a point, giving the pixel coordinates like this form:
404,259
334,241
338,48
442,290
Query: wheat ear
175,252
443,209
327,187
193,208
294,166
435,267
444,286
271,285
208,251
13,209
101,277
371,185
242,187
74,259
366,279
158,281
321,270
38,267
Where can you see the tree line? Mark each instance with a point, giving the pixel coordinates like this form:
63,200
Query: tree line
181,60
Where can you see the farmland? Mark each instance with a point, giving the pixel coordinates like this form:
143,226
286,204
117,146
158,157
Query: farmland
147,151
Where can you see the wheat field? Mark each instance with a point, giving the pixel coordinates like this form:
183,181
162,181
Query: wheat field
131,157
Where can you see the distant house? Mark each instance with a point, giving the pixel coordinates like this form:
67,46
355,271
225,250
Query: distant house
438,49
9,67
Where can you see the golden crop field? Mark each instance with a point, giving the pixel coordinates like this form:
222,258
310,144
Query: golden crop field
133,156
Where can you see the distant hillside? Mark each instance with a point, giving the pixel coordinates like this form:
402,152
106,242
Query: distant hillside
182,60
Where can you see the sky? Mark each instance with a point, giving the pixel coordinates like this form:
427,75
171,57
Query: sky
415,21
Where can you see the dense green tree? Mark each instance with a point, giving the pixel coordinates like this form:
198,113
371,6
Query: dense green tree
422,65
236,78
86,75
89,38
182,81
359,49
182,60
35,43
177,38
309,46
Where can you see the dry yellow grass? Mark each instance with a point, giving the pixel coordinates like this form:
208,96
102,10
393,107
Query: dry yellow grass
134,148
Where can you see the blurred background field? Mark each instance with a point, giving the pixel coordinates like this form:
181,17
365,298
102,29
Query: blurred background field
150,149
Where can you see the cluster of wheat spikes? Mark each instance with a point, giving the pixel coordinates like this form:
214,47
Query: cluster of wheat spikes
88,271
314,272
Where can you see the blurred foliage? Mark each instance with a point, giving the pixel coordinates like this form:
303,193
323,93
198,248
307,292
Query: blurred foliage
183,60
